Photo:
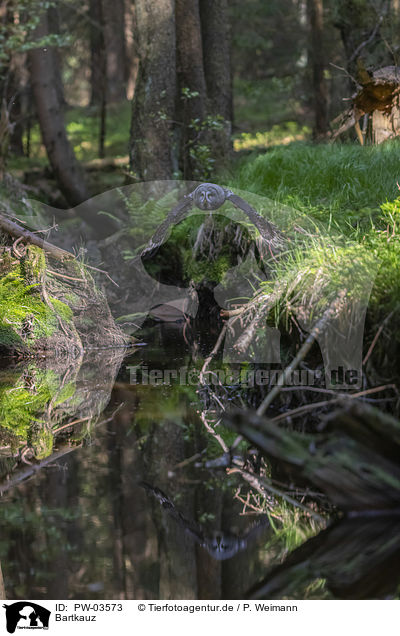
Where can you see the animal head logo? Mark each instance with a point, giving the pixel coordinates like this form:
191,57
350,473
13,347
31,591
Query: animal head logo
26,615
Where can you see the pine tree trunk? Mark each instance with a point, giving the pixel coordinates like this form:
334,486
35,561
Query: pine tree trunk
315,13
192,85
97,52
217,68
114,38
151,147
45,77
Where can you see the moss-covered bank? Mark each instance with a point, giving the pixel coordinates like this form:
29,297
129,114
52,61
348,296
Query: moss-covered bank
50,306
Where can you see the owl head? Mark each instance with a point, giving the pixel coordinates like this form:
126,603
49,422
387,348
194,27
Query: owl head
209,196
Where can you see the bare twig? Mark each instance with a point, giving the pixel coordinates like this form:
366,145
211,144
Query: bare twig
378,333
310,407
213,433
262,484
304,349
102,271
213,352
346,72
79,280
361,46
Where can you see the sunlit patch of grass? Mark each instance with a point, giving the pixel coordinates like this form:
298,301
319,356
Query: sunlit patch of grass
348,192
279,134
83,128
337,183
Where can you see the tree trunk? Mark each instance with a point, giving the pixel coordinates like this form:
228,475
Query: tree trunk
132,60
114,38
45,77
315,13
192,84
217,68
14,103
97,52
154,101
53,24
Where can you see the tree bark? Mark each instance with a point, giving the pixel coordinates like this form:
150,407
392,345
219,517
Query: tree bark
54,21
151,146
14,102
45,76
315,13
217,67
97,52
114,38
192,84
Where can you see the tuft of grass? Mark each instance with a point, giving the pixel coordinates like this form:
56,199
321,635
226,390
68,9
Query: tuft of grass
344,194
339,183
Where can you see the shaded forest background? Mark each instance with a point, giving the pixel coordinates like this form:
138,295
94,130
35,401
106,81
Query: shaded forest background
97,93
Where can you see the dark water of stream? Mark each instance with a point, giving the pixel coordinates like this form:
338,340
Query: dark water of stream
135,512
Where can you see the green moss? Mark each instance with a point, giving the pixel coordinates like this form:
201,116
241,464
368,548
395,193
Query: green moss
20,407
33,264
66,393
23,315
72,298
24,399
41,440
62,309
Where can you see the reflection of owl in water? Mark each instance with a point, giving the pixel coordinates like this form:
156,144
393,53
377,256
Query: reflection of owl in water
220,545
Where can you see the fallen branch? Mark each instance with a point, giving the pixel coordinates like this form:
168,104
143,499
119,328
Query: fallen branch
262,484
213,352
22,234
341,396
378,333
304,349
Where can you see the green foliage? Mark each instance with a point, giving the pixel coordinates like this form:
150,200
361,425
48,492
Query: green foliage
62,309
268,37
21,407
20,304
17,36
277,135
261,104
346,198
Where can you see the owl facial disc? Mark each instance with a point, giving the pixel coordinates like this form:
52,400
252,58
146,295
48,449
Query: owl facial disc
209,196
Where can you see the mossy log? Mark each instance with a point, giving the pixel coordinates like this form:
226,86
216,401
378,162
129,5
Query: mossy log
50,305
354,460
357,558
